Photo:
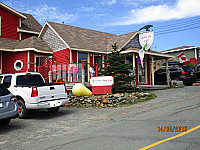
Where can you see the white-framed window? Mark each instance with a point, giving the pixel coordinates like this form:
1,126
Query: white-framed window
18,65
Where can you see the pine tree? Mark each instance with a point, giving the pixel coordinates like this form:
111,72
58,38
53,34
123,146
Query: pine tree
116,67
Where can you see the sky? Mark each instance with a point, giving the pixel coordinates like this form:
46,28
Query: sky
175,23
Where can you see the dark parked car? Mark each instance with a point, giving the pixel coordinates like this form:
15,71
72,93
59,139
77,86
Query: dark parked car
197,70
8,106
179,73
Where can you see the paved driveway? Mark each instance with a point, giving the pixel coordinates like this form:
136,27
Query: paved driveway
131,127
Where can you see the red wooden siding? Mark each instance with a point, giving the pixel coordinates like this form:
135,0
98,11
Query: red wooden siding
9,59
26,35
9,24
62,56
91,58
74,56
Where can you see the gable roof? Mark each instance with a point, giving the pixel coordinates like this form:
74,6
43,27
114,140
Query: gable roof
12,11
32,43
179,49
30,25
81,38
121,40
77,38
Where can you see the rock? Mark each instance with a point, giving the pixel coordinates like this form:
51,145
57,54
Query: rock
126,95
88,105
129,99
142,95
121,98
105,101
98,103
132,101
147,94
117,95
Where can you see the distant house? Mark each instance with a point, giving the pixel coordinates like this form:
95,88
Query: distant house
20,46
189,51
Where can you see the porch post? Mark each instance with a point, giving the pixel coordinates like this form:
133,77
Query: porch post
167,71
83,74
152,69
134,73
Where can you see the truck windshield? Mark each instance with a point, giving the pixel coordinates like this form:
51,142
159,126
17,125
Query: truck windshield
29,79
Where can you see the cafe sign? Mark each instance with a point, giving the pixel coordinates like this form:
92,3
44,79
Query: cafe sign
102,81
146,39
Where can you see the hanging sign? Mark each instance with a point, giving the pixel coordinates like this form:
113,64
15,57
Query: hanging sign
146,38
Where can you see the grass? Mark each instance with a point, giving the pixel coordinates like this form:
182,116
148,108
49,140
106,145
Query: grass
150,97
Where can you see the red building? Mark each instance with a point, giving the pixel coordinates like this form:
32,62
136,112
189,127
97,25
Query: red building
23,42
20,46
76,44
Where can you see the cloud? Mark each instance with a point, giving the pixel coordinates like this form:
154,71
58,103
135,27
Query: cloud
51,13
43,12
182,9
109,2
87,9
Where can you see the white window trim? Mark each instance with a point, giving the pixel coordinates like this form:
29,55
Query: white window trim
18,61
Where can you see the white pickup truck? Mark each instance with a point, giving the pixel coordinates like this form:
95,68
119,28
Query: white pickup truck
33,93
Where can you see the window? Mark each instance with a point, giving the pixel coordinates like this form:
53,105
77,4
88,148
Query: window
29,79
98,60
7,81
18,65
129,59
3,90
82,57
142,71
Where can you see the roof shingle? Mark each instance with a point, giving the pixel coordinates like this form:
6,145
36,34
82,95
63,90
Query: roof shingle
33,42
8,44
30,24
86,39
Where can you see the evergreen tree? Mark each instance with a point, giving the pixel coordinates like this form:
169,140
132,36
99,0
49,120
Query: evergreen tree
116,67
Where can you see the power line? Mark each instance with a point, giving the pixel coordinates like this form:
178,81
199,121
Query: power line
174,27
178,30
177,24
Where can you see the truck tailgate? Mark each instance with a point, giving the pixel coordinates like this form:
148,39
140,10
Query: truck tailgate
52,92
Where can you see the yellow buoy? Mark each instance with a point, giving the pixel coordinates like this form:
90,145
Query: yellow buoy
80,90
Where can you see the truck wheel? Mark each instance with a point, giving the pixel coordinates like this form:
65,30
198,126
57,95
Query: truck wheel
5,122
23,112
53,110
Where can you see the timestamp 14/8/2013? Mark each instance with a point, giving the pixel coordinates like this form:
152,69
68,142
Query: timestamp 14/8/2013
172,128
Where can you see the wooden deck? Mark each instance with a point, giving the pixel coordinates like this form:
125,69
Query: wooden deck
153,87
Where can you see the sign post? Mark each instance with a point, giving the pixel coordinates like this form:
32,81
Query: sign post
102,84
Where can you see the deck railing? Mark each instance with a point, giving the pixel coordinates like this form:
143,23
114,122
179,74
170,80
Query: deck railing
73,72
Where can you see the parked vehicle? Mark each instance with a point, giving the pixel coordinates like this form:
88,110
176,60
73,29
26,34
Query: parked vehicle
33,93
197,70
179,73
8,106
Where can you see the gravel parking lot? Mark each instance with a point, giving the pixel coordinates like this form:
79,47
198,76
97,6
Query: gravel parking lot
42,125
